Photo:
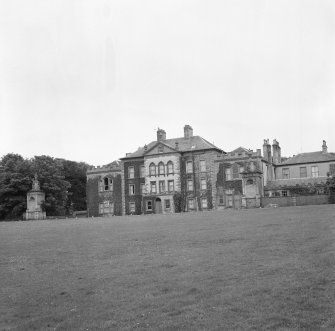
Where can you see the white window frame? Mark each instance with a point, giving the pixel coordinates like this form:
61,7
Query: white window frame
161,186
228,174
142,171
300,172
152,169
143,191
170,167
315,173
189,167
153,185
190,204
203,184
169,202
190,186
161,168
132,207
204,203
286,173
171,182
131,172
202,165
147,205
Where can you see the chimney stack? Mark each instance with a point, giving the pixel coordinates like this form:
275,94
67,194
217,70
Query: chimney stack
276,152
188,131
161,134
324,147
267,151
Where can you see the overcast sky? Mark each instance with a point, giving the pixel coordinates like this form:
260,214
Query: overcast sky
90,80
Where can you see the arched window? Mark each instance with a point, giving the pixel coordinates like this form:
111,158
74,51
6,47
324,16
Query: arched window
152,169
161,168
250,182
170,167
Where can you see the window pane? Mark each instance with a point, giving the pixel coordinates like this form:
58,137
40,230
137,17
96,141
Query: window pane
170,167
152,170
202,165
204,203
303,172
171,185
190,185
190,204
189,167
161,186
315,171
153,187
143,188
286,173
167,204
228,174
130,172
203,184
142,171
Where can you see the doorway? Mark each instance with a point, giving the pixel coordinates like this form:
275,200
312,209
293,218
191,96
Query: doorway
158,206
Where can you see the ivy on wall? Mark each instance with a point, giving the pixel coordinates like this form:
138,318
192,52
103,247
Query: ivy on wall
137,180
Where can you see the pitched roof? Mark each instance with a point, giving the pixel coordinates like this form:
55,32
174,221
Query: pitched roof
194,143
240,149
312,157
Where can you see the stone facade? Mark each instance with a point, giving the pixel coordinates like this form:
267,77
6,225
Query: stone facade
177,175
240,179
103,190
190,174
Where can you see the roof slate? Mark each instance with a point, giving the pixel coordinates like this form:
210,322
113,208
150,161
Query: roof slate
184,145
309,158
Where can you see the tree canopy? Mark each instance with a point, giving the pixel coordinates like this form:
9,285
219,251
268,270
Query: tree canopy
62,181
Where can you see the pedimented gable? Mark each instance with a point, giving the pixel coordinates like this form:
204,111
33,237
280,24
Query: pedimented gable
160,148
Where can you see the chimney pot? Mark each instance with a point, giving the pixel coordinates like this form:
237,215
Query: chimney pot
188,131
161,134
324,147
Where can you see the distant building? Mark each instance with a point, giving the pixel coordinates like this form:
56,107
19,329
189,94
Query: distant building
170,175
189,173
240,179
35,200
103,190
305,173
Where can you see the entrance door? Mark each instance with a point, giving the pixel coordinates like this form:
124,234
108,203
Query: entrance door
158,206
237,201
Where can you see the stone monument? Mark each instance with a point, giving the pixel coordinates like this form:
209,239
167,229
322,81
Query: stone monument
35,198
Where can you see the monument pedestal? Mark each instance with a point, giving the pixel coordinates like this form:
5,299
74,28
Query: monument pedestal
35,199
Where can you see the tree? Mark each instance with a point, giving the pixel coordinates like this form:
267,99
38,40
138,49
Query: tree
330,185
15,182
75,174
53,183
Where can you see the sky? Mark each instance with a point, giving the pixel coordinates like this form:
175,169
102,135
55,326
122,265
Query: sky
91,80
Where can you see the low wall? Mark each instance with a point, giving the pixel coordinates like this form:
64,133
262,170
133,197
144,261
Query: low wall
295,201
312,200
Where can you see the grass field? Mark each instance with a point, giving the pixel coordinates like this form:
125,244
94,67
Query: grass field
261,269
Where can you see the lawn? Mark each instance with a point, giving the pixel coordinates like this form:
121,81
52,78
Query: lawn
260,269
